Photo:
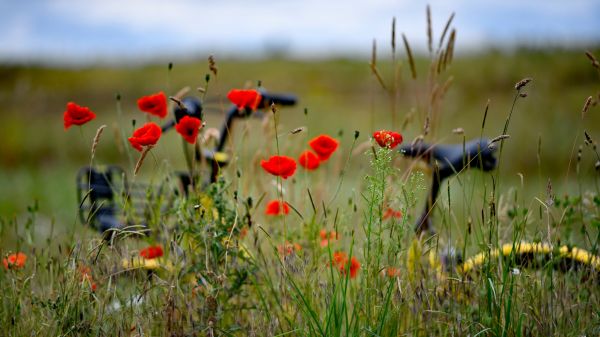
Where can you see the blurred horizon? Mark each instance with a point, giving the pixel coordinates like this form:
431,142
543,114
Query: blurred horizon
78,33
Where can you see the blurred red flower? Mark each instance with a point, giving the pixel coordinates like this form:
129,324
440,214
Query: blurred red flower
390,213
288,249
274,207
326,238
308,160
188,127
324,146
244,98
86,276
390,272
340,260
14,261
154,104
144,136
151,252
387,138
77,115
281,166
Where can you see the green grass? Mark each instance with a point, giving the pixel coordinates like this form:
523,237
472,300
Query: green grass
214,281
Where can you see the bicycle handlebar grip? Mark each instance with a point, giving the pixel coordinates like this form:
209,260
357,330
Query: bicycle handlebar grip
280,99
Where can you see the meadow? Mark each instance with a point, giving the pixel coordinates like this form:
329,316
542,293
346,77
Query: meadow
229,269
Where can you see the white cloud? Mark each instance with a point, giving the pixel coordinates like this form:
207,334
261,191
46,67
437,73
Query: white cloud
143,27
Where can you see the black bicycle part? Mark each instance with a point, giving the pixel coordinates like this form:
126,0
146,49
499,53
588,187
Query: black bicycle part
446,161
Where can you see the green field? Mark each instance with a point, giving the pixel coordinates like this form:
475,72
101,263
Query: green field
542,192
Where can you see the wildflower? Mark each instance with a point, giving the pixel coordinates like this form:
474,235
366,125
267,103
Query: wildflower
324,146
340,260
288,249
144,136
390,272
309,160
14,261
77,115
325,238
86,276
390,213
276,207
154,104
244,98
387,138
151,252
281,166
188,128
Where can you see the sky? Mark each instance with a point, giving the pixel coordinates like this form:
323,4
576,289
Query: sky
114,30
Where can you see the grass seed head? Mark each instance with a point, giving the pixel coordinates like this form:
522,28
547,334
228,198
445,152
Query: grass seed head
522,83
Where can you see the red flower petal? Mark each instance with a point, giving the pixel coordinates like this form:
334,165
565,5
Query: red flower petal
154,104
308,160
245,98
148,134
324,146
281,166
14,261
77,115
274,207
188,127
387,138
151,252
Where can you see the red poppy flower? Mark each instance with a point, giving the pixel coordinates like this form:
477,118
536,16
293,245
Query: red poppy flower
324,146
340,260
14,261
387,138
188,128
390,272
144,136
274,207
327,237
244,98
154,104
77,115
86,276
281,166
308,160
390,213
151,252
288,249
354,267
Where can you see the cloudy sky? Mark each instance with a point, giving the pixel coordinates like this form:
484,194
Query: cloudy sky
109,30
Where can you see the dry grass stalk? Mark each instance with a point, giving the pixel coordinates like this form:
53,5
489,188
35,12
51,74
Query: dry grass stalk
429,30
373,66
138,165
499,138
212,65
522,83
586,106
458,131
448,23
411,60
177,101
449,53
593,59
97,140
394,36
182,92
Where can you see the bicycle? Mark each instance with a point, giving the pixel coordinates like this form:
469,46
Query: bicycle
446,161
98,190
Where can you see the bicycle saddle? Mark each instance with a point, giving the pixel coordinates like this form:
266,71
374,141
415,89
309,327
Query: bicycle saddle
453,158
